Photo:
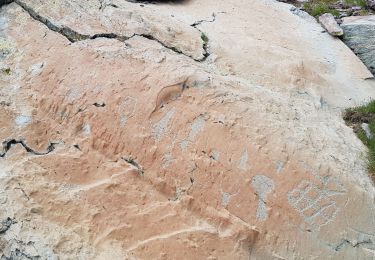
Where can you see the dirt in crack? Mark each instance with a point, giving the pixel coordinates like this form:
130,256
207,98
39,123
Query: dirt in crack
7,145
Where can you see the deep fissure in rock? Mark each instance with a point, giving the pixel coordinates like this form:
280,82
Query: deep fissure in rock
131,161
7,145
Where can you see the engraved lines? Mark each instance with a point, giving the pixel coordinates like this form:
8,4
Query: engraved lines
315,203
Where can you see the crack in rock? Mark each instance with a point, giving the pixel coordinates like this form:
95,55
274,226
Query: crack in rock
203,35
199,22
346,242
67,32
7,145
74,36
134,163
6,224
102,104
103,4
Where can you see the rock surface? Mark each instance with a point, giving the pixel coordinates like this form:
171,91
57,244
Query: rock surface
329,23
360,37
190,130
371,4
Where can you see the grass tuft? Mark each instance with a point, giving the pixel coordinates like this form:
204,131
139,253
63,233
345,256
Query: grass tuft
350,3
355,117
6,71
319,7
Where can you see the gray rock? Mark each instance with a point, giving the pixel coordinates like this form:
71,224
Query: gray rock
367,130
371,4
356,8
359,35
329,23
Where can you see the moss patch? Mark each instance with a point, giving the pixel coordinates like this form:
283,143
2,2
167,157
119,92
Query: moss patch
204,38
6,71
355,117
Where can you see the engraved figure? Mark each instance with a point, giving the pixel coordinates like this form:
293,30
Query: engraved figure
263,186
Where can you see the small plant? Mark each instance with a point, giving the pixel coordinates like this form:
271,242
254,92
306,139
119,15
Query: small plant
6,71
355,117
319,7
360,3
204,38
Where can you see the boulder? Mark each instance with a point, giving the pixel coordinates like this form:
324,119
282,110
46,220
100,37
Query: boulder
126,136
359,35
329,23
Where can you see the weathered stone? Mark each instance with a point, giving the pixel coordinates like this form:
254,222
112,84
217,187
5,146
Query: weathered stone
360,37
128,136
367,130
329,23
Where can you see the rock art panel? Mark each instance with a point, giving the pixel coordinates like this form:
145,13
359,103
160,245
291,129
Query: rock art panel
205,168
316,203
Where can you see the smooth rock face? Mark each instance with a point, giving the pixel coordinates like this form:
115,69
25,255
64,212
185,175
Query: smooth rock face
360,37
329,23
127,135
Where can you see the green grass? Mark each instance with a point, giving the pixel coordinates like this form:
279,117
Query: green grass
354,117
369,108
6,71
350,3
319,7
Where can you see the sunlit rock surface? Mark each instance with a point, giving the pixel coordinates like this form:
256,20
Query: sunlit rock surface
187,130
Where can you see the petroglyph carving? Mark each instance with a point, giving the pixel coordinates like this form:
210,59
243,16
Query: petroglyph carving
315,203
196,127
263,186
243,160
23,120
86,129
167,160
126,109
226,197
161,127
279,166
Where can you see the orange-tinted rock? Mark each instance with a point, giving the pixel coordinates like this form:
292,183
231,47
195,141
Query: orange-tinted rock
160,153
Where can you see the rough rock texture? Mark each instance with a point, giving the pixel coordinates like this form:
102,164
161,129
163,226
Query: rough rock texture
360,37
187,130
329,23
371,4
